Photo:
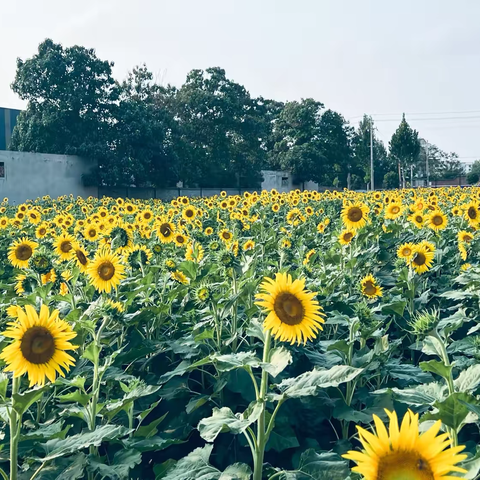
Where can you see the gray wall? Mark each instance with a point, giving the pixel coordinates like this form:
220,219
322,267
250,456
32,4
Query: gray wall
32,175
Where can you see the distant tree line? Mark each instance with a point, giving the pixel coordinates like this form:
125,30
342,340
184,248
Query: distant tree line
210,132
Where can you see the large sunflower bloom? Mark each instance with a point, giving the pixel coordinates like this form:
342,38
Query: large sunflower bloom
422,258
105,270
437,220
354,216
401,453
370,287
393,210
21,251
39,346
64,246
293,314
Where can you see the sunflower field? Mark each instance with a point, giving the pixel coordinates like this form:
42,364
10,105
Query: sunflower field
269,336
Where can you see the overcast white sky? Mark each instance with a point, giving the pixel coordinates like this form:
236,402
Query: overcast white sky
382,57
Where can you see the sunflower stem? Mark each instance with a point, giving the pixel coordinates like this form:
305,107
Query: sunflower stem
261,433
15,422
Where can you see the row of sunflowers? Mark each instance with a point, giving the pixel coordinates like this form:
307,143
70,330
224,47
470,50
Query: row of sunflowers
299,335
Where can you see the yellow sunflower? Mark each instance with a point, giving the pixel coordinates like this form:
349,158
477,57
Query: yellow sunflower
165,232
422,258
180,277
346,237
393,210
105,270
189,213
354,216
21,251
41,231
91,233
437,220
464,236
405,250
64,246
417,218
401,453
472,213
308,256
39,345
370,287
180,239
225,235
248,245
81,257
293,314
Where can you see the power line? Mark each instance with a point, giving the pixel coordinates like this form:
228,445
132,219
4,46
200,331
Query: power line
418,113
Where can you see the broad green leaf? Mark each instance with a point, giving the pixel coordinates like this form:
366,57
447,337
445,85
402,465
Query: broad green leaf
72,468
194,466
472,466
452,411
196,402
323,466
432,346
237,471
151,444
396,306
224,420
123,462
151,429
91,352
183,368
409,396
469,379
437,367
280,358
3,386
225,363
57,447
22,401
255,329
77,397
309,382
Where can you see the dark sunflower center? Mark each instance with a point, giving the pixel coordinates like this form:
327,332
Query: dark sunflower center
165,230
467,238
437,220
419,219
180,239
66,246
404,466
37,345
369,288
348,236
406,252
42,231
106,270
472,213
92,232
226,236
395,209
355,214
147,215
23,252
189,213
289,309
420,259
81,257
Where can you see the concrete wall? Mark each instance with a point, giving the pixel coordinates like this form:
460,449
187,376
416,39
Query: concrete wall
32,175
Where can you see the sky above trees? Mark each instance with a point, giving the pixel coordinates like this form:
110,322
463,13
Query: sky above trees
371,57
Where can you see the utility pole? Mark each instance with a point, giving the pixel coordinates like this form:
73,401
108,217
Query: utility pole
372,182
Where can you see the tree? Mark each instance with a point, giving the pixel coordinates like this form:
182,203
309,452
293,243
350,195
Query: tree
361,145
441,165
336,141
296,140
223,130
474,175
71,98
404,148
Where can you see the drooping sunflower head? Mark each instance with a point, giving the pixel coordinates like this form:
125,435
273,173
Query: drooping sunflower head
401,453
138,256
293,313
370,287
180,277
40,342
248,245
354,216
105,271
21,251
120,238
81,257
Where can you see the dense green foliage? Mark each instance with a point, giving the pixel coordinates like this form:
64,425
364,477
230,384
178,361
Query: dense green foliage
210,132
